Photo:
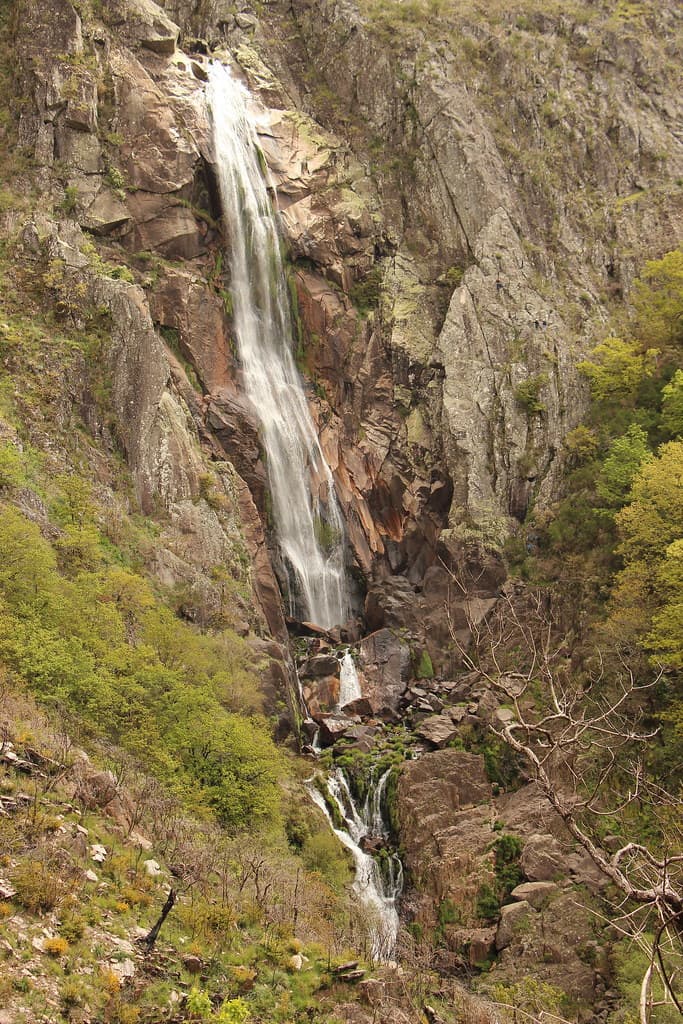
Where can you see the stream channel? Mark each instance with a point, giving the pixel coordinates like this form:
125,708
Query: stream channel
308,523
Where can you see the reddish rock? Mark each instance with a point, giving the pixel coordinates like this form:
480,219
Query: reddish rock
321,695
385,662
438,730
360,707
333,727
180,300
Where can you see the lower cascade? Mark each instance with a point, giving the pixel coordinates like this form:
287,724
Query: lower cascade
377,889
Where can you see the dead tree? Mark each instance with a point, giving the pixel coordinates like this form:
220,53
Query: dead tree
148,941
584,746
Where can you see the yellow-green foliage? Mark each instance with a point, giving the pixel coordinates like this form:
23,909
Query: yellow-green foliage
57,946
658,298
617,368
91,636
648,597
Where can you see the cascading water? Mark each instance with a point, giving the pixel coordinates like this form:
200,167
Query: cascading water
349,683
307,519
378,891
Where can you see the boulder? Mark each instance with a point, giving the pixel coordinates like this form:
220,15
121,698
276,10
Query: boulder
438,730
385,662
360,707
481,945
146,25
536,894
332,728
542,858
512,920
105,214
320,665
193,964
322,694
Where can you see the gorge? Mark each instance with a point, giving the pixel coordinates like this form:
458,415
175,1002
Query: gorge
340,511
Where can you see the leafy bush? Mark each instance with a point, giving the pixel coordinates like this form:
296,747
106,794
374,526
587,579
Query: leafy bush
487,903
507,851
39,887
57,946
527,394
11,467
425,669
99,642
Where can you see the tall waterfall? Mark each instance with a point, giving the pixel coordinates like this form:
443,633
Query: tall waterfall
306,515
378,891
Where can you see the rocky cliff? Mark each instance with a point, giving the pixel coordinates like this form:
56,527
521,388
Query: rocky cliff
465,196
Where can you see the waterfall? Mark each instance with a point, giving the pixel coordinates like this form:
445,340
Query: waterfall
306,516
377,891
349,683
372,811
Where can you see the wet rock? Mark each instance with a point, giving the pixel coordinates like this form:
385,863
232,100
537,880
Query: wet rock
361,737
360,707
512,919
322,694
320,665
332,728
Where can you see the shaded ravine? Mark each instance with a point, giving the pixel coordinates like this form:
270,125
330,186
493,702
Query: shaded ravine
306,516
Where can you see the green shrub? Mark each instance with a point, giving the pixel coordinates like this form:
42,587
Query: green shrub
527,393
425,668
39,886
487,903
507,851
448,913
69,203
11,467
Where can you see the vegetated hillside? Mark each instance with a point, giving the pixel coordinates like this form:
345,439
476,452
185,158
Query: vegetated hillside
488,187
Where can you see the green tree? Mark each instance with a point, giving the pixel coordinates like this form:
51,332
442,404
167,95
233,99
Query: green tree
647,594
617,368
658,299
672,405
625,457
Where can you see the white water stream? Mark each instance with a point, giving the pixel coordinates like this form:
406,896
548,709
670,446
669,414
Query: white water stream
349,683
306,516
377,893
